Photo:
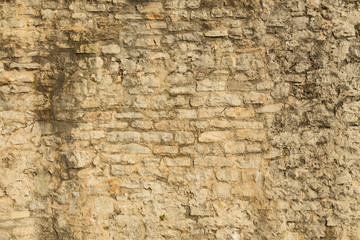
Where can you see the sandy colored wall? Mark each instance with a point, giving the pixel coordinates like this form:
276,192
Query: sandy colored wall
179,119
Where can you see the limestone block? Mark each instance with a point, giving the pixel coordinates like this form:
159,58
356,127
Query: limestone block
103,205
214,136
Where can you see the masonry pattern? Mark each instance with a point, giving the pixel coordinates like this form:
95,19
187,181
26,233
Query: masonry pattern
179,119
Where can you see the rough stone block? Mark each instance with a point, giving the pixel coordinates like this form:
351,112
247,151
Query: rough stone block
225,99
233,147
215,136
255,97
121,170
103,205
179,161
228,174
124,136
240,113
187,113
216,33
251,135
129,115
134,148
110,49
160,149
151,7
184,137
212,161
210,85
157,137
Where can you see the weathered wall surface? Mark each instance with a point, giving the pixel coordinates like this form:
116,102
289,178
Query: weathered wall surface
179,119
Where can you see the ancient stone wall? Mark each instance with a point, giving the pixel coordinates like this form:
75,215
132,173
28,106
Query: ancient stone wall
179,119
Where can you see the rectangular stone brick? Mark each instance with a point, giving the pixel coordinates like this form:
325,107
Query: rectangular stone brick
190,37
146,125
265,85
215,136
84,126
176,175
198,101
179,161
27,66
252,161
160,149
149,42
251,135
189,90
151,162
124,136
158,25
110,49
170,125
221,123
114,125
216,33
245,86
213,161
150,81
121,158
159,114
221,190
255,97
250,125
131,183
13,115
199,14
151,7
210,85
228,174
103,205
225,99
89,135
184,26
239,112
151,171
254,148
193,4
187,113
128,16
129,115
157,136
196,149
198,174
131,148
245,190
121,170
210,112
184,137
233,147
201,125
21,76
273,108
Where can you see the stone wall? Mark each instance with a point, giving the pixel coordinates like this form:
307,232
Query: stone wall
179,119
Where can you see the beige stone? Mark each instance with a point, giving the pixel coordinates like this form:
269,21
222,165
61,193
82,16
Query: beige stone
103,205
214,161
239,113
180,161
215,136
